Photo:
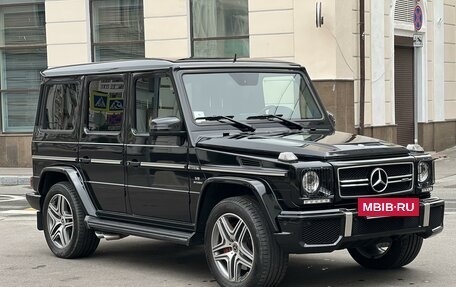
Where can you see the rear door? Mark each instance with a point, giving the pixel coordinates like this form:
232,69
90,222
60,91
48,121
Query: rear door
101,147
157,176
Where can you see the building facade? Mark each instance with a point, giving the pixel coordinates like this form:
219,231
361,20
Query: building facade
384,68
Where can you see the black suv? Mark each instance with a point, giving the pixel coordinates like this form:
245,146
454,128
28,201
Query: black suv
240,156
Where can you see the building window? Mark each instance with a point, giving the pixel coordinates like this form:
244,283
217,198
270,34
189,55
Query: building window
22,57
220,28
117,29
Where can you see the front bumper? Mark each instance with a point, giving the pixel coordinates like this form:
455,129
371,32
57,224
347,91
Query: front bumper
34,199
329,230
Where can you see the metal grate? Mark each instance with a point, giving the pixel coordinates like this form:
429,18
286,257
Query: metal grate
321,231
403,11
354,181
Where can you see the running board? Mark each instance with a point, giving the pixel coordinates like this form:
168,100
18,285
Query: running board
116,227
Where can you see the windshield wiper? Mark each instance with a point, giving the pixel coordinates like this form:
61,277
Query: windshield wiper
288,123
240,125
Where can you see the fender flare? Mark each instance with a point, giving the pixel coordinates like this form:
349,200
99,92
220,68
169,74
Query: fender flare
263,193
75,178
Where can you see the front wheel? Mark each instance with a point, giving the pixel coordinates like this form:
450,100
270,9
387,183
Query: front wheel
239,245
389,254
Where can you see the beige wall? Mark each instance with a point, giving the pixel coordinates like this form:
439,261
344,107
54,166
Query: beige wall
67,32
166,29
450,58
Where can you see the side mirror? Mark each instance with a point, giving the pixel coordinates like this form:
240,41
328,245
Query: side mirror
332,119
165,125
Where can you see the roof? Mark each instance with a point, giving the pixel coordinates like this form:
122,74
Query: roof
153,64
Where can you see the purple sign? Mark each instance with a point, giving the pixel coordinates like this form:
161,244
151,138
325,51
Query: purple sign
418,18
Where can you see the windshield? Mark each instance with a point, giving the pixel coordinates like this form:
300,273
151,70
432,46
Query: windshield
243,95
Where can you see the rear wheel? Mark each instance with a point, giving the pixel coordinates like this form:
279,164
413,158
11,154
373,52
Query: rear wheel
239,245
64,227
388,254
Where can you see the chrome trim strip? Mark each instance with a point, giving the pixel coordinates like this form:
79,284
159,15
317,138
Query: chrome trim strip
157,188
105,161
400,176
193,167
78,143
348,224
104,144
163,165
354,180
426,214
104,183
400,180
244,171
355,184
323,245
57,158
55,142
151,145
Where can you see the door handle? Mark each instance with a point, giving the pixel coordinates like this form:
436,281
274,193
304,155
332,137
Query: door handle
85,159
134,163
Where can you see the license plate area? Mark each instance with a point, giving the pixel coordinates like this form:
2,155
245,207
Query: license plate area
388,207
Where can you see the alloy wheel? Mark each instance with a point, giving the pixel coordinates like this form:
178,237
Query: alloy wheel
60,221
232,247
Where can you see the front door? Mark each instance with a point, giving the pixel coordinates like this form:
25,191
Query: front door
101,147
156,162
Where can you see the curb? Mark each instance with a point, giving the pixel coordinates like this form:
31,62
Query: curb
14,180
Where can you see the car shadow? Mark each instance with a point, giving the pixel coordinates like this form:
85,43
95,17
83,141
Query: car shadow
333,269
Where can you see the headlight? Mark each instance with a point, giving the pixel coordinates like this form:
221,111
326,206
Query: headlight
423,171
310,182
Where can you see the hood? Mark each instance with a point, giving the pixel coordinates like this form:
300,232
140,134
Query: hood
304,145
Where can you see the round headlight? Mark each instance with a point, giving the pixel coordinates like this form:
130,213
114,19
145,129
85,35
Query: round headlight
423,171
310,182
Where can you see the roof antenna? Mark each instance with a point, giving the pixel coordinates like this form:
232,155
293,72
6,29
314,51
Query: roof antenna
235,58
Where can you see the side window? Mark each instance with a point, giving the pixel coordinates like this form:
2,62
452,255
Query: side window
61,106
155,98
106,104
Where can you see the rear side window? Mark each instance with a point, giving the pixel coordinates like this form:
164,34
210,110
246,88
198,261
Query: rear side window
106,105
61,106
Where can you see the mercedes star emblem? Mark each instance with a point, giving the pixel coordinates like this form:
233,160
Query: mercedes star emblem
379,180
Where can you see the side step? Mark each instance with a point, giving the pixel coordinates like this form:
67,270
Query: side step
110,226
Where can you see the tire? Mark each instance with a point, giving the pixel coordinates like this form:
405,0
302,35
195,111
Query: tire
395,253
63,223
237,233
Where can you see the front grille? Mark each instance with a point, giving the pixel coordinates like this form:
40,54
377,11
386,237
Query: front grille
363,225
355,181
321,231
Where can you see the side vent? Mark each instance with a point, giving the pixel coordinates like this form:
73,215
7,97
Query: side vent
250,162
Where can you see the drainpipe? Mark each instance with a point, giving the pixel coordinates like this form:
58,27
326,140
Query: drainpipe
362,68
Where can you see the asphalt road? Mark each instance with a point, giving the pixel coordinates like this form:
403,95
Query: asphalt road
25,259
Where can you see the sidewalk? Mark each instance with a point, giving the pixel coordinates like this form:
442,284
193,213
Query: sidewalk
15,176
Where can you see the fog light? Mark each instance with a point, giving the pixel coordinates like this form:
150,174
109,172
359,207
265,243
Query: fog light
310,182
423,171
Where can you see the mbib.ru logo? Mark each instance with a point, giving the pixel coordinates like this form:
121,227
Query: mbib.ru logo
374,207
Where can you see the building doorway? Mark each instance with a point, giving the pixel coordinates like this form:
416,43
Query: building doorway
404,93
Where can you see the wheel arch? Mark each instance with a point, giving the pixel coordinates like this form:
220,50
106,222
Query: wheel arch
216,189
55,174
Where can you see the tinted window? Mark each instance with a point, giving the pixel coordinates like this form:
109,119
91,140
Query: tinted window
155,98
61,106
106,104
